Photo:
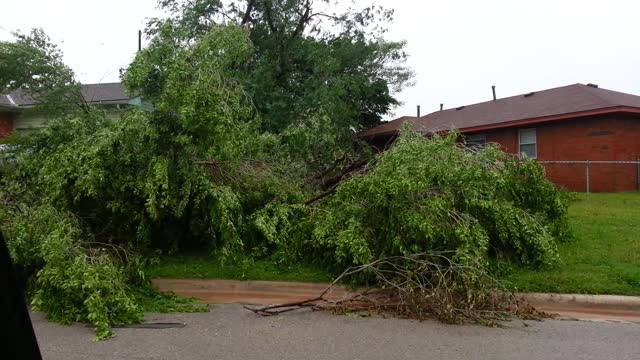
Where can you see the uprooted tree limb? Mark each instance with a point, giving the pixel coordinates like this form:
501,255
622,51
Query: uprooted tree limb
331,184
421,286
345,173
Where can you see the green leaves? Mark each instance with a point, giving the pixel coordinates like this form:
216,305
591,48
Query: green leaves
73,279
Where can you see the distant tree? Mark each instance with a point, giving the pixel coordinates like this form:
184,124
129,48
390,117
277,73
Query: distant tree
33,63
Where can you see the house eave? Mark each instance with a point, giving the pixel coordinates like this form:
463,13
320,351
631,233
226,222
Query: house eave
11,109
551,118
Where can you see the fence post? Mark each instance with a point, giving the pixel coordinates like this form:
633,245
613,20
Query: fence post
588,180
638,169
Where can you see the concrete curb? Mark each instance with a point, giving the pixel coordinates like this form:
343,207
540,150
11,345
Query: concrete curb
591,301
209,289
215,291
564,306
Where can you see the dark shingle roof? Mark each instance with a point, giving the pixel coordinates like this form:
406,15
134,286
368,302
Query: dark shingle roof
21,98
106,93
113,93
563,100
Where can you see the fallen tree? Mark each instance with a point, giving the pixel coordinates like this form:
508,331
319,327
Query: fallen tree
425,195
212,165
421,224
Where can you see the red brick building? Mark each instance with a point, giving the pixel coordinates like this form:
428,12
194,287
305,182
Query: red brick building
571,123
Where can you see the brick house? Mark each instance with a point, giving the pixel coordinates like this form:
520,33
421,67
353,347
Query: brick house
570,123
17,109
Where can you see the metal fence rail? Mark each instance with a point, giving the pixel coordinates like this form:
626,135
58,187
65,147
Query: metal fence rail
587,164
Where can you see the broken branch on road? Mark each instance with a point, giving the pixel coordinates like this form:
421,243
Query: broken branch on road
421,286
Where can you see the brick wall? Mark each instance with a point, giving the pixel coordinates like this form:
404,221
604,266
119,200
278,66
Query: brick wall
6,124
611,137
507,138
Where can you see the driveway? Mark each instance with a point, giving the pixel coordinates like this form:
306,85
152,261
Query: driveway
231,332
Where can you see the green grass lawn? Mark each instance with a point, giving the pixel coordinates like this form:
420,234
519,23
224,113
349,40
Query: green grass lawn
603,257
203,266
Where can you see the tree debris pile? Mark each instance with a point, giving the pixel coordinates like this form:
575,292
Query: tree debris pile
421,286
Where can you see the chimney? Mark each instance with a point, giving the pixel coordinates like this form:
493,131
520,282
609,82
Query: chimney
493,89
418,110
139,40
441,105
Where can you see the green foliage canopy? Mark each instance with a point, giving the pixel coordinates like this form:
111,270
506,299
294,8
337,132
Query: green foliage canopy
311,69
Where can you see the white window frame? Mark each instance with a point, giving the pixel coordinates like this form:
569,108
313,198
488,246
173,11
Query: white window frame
534,143
475,139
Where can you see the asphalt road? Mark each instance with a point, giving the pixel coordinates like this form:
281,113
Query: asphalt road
231,332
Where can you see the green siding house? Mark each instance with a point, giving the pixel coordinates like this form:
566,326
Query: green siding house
17,114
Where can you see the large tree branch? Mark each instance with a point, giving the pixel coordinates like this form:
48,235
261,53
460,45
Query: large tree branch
82,102
268,15
332,17
322,195
304,18
247,13
331,168
330,182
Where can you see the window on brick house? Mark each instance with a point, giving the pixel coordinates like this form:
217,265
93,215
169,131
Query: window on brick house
528,145
475,140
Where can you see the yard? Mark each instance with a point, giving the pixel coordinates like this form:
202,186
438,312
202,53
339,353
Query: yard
603,257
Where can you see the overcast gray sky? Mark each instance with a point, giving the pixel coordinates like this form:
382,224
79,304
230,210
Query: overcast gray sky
458,48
